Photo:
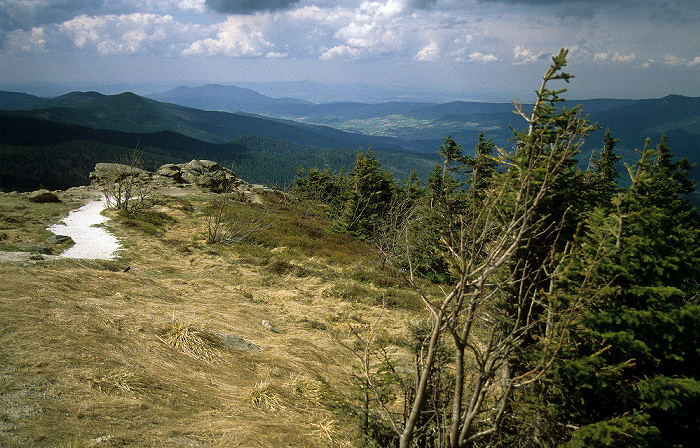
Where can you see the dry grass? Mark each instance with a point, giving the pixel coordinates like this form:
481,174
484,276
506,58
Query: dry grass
90,353
196,343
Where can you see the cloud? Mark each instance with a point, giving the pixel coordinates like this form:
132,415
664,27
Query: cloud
249,6
422,4
428,53
308,13
192,5
675,61
23,13
34,39
340,51
237,36
120,34
372,29
615,57
523,55
477,56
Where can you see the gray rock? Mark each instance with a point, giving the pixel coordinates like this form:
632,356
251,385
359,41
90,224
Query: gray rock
34,248
266,323
59,239
43,196
171,171
203,173
106,173
236,342
208,174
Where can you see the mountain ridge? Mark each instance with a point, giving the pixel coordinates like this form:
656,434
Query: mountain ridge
409,130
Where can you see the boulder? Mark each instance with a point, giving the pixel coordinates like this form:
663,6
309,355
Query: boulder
34,248
208,174
203,173
43,196
236,342
172,172
107,173
59,239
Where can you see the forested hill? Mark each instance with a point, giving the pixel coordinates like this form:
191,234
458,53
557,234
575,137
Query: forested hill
132,113
35,152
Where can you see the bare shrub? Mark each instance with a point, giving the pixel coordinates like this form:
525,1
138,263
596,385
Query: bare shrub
127,190
229,223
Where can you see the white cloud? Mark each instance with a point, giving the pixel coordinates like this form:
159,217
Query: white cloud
373,28
27,41
237,36
477,56
523,55
675,61
192,5
112,34
617,57
308,13
340,51
428,53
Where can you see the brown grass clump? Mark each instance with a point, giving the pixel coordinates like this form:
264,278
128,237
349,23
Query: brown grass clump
189,340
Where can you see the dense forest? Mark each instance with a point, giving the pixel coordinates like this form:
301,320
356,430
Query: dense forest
568,307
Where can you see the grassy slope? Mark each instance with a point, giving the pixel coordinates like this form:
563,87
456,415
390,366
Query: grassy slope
83,352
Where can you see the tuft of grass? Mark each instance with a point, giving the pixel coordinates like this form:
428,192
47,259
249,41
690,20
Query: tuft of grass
312,324
282,267
266,395
402,299
325,429
353,293
191,341
122,380
303,387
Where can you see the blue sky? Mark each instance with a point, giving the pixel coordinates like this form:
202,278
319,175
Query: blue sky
619,48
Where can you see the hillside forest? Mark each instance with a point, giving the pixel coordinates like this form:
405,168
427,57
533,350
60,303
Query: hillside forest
568,311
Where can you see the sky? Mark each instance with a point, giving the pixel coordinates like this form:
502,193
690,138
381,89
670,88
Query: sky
470,48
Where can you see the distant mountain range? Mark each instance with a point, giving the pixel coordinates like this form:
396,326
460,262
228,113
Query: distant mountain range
267,138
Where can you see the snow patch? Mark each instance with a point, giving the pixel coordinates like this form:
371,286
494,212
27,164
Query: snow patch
92,241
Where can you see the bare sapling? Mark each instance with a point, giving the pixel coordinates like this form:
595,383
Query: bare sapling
127,190
226,224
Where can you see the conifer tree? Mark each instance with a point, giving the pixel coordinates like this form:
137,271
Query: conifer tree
368,197
632,377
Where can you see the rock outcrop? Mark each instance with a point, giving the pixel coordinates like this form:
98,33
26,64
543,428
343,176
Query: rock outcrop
105,173
203,173
43,196
206,174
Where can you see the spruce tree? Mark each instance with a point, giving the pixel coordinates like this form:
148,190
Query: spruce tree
369,195
632,374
